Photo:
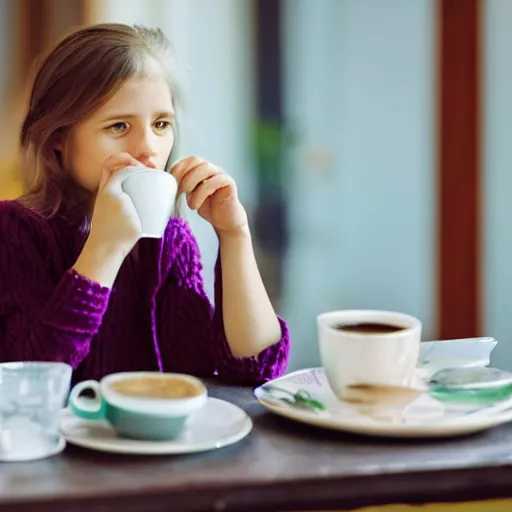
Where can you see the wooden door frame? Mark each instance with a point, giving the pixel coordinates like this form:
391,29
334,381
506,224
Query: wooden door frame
459,168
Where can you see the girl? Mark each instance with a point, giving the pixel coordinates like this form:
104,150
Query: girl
77,284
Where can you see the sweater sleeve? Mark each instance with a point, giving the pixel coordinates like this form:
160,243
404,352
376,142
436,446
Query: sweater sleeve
42,318
192,332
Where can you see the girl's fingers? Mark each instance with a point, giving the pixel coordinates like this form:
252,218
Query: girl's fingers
209,187
180,168
115,163
196,175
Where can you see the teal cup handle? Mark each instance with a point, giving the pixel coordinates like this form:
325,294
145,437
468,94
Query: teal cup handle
86,408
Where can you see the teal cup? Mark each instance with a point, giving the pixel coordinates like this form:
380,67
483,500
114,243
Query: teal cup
149,406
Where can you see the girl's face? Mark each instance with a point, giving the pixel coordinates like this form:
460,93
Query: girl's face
137,120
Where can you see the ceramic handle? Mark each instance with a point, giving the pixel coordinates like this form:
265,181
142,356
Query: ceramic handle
89,409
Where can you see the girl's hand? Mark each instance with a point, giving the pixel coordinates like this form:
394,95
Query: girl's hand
115,224
211,192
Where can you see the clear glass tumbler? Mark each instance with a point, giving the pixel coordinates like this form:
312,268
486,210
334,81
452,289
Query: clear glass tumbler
32,395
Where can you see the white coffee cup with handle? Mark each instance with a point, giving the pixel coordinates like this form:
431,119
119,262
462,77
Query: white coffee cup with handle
368,348
153,193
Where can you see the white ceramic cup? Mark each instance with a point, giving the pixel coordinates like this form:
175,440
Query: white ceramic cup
153,193
361,359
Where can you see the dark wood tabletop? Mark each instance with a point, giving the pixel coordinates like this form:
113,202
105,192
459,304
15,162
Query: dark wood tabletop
281,465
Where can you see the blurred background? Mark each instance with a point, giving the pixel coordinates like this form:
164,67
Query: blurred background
370,140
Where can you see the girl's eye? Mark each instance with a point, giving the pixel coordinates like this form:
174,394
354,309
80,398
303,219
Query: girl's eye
162,125
118,127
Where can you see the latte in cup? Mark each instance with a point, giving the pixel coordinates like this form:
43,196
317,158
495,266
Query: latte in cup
157,387
141,405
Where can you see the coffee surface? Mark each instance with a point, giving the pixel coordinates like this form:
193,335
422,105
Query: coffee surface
151,387
369,328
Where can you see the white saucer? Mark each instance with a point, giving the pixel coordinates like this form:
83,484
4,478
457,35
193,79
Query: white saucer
424,417
217,424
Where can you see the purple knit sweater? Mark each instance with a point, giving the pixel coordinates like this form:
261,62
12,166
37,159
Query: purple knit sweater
156,317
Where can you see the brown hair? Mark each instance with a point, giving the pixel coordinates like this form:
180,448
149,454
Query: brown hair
77,77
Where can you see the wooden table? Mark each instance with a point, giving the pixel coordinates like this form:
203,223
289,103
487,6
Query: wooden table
281,465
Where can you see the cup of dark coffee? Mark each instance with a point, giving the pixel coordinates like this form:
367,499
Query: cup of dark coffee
141,405
364,349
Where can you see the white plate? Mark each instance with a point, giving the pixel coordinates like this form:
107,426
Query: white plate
425,417
215,425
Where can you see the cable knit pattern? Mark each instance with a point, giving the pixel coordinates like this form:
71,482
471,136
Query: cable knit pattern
156,317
